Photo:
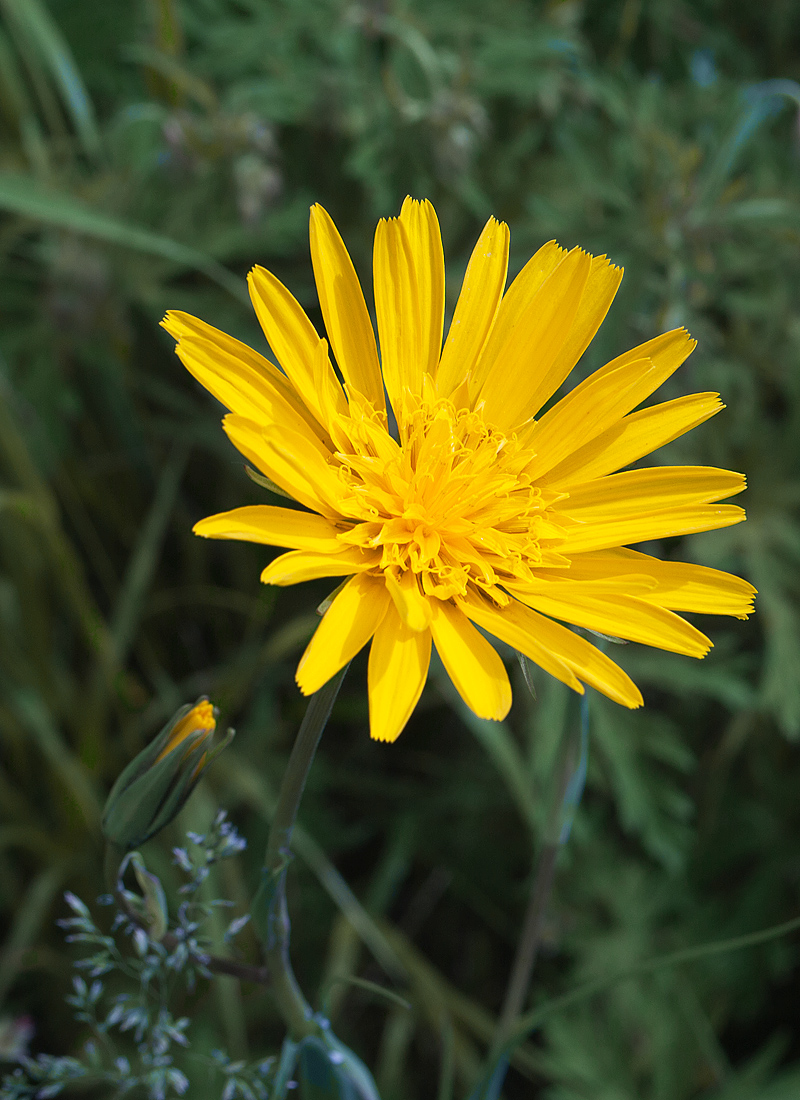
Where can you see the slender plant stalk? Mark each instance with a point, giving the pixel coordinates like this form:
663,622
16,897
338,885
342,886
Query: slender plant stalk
530,940
570,771
270,909
582,993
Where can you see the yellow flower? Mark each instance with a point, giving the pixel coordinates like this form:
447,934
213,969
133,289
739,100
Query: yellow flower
477,510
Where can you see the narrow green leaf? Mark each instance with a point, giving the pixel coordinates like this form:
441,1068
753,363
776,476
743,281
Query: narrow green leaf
144,560
42,33
23,195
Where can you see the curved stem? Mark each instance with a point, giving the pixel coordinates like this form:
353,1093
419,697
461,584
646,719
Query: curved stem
270,912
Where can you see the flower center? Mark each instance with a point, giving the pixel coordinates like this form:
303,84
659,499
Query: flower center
450,502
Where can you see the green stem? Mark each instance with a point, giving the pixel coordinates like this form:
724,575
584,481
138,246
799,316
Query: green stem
528,946
270,911
562,808
112,858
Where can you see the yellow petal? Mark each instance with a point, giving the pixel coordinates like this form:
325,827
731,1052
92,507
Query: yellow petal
511,624
476,307
425,239
344,309
599,535
654,489
680,586
619,615
236,385
295,342
272,526
241,379
586,578
513,308
533,347
346,627
471,662
607,395
637,435
413,607
292,461
397,306
586,412
398,666
598,294
328,389
308,565
687,587
566,655
666,351
247,395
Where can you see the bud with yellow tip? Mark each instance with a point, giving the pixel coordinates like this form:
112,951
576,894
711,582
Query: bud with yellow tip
157,783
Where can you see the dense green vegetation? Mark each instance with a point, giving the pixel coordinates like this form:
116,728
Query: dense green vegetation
152,151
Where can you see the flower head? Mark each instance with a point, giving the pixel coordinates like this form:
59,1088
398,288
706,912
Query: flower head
477,509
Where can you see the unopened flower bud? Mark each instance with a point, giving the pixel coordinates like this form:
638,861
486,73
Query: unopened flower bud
157,783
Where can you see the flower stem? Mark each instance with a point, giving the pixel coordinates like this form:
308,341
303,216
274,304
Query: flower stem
530,940
570,774
270,912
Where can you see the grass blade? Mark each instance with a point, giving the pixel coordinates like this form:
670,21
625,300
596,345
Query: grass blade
24,196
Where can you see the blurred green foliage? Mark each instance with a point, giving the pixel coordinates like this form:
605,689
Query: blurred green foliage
151,152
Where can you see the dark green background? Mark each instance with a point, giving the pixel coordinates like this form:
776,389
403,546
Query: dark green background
151,153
